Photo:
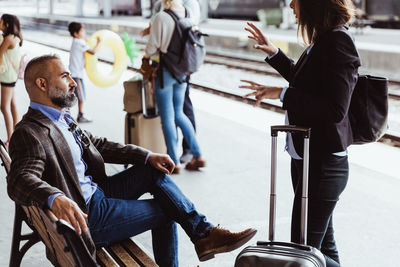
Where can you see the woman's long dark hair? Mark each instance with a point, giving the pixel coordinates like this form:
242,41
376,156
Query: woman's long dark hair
320,16
12,26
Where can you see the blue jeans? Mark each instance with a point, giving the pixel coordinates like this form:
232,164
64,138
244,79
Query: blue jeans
188,110
327,179
170,101
115,213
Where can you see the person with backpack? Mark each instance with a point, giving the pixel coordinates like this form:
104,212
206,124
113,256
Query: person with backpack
9,67
193,8
169,36
318,96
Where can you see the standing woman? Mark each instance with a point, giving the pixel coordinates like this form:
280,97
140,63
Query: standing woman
318,96
9,65
169,89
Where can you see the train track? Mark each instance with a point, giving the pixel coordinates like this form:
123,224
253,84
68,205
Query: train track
390,138
260,67
235,62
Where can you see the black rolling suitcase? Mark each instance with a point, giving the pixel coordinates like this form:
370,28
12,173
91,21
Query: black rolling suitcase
278,254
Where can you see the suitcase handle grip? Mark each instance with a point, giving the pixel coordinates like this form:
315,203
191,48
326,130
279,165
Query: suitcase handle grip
284,244
290,129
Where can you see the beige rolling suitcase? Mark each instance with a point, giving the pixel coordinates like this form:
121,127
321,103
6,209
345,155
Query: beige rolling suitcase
142,123
133,94
144,132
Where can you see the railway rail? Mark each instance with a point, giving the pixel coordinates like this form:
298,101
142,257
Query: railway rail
390,138
235,62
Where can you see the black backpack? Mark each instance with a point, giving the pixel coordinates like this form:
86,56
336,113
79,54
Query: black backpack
186,51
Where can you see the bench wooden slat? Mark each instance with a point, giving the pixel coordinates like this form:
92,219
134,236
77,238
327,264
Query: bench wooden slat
121,256
125,253
138,253
104,259
40,228
52,239
5,158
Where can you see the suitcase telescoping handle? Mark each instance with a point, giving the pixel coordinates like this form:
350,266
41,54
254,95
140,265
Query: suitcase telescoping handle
304,197
146,113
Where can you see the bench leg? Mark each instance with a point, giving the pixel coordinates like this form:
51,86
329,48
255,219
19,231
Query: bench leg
18,253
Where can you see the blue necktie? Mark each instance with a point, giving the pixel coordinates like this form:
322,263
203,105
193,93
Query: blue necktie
80,138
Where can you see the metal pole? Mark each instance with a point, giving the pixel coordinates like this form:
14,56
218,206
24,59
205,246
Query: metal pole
51,7
203,10
37,7
272,197
79,8
286,20
107,8
304,196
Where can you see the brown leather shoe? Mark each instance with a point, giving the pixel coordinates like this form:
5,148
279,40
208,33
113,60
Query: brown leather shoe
221,240
195,164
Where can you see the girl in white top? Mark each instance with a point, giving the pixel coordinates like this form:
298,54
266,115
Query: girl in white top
9,65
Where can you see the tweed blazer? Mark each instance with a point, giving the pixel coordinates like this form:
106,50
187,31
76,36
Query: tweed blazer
42,163
320,87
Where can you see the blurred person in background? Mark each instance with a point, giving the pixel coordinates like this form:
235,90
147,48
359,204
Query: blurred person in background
170,90
193,9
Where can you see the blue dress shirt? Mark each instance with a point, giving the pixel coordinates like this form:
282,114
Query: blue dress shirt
88,187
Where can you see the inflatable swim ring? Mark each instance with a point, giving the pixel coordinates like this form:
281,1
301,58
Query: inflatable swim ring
114,42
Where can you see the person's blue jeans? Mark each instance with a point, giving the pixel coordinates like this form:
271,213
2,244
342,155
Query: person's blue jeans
188,111
328,175
115,213
170,99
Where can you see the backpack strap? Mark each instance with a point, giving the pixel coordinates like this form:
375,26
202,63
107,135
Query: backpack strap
176,19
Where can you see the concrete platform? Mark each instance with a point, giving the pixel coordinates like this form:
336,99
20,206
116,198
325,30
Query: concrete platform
378,48
233,189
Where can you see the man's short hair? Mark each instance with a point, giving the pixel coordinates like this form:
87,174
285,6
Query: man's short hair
36,67
74,27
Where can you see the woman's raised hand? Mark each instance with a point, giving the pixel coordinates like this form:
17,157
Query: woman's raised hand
261,91
262,41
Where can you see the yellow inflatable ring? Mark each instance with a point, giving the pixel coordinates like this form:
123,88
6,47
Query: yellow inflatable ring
114,42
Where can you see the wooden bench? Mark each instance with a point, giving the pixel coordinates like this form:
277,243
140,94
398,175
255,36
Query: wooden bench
63,245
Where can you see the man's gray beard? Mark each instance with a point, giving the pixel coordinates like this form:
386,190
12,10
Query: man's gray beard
64,101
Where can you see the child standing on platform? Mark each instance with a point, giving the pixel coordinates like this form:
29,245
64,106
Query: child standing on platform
77,63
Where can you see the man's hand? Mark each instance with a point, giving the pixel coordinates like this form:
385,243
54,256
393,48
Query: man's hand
66,209
161,162
261,91
145,31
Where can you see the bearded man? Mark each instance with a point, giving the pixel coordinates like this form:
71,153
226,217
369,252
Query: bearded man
58,166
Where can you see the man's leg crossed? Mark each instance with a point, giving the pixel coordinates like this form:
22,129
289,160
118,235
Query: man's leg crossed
112,220
135,181
208,240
